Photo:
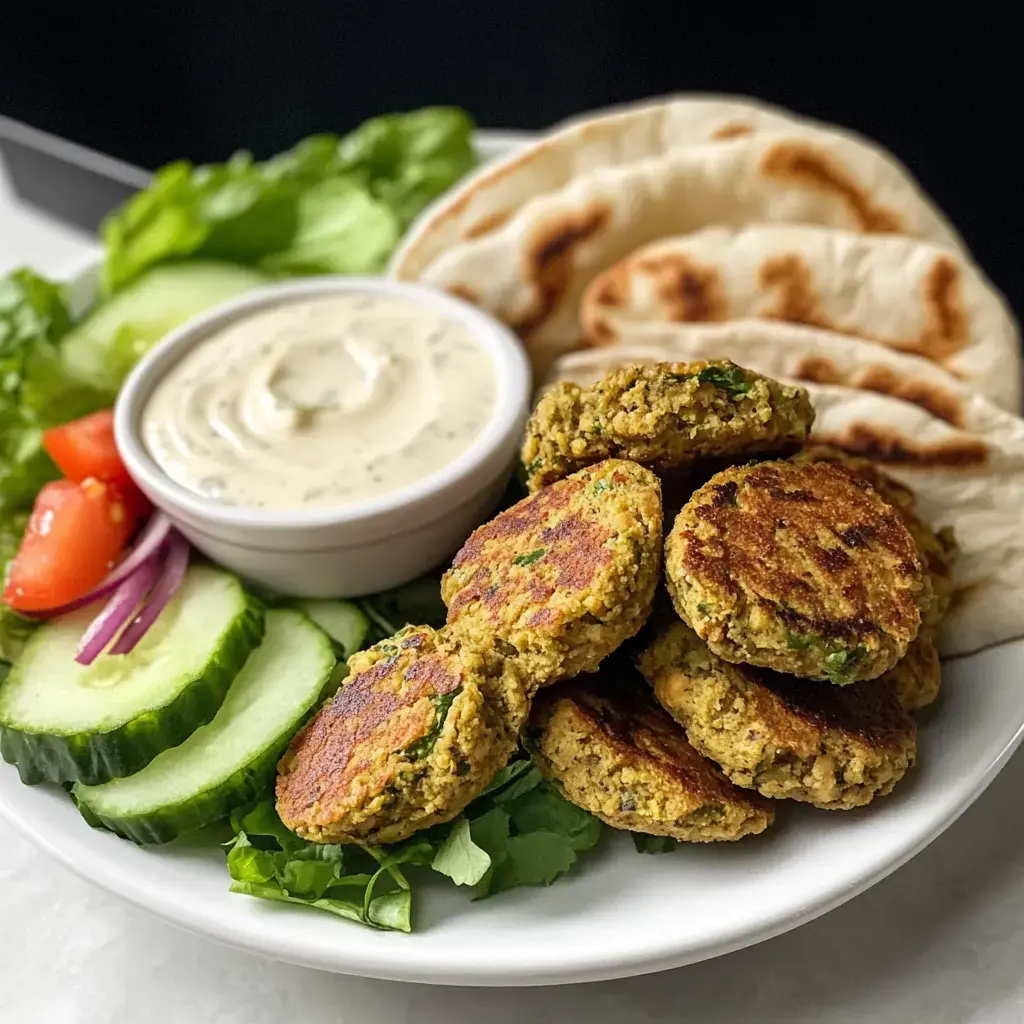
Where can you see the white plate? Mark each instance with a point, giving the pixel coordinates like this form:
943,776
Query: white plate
621,913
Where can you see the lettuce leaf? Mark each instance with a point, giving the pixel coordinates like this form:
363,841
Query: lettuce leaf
329,205
35,390
519,831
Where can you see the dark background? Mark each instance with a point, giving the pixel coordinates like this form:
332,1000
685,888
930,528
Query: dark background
151,81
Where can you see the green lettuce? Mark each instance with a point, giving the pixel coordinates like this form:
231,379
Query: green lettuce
329,205
35,390
519,831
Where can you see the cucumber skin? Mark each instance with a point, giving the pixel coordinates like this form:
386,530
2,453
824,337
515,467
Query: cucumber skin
244,788
95,758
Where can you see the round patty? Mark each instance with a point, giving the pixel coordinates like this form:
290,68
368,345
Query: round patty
422,723
836,747
665,415
565,575
610,750
917,678
937,549
797,567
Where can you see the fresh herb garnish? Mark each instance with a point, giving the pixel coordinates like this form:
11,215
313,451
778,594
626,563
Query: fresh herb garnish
653,844
600,486
530,557
731,380
839,665
703,607
442,705
359,884
795,642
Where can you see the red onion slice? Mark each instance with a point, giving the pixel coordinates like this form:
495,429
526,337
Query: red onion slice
148,544
171,577
118,610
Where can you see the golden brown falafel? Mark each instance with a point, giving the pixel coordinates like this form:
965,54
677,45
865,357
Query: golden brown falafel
420,726
917,677
797,567
936,548
565,575
610,750
665,415
836,747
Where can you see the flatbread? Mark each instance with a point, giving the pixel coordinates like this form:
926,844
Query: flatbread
781,350
604,138
904,293
969,477
531,273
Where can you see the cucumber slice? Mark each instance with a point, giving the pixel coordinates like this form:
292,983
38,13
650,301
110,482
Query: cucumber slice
229,763
110,341
344,622
64,722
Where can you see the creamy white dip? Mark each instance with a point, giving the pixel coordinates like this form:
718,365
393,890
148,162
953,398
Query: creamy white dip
320,402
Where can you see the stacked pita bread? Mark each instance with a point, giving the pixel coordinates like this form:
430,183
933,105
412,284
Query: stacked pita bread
708,227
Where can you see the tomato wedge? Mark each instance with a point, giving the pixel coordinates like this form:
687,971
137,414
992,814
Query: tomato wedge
75,535
85,448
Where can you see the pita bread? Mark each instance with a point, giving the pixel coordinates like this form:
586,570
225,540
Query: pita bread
969,477
531,273
906,294
781,350
604,138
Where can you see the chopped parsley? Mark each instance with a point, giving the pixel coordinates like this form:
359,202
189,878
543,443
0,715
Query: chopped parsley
839,665
795,642
703,607
536,466
530,557
442,704
732,380
600,486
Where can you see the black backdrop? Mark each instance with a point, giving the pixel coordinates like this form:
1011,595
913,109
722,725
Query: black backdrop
941,86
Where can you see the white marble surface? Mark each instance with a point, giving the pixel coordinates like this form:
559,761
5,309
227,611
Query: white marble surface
939,942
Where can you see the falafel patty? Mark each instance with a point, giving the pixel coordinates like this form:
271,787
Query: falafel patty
836,747
937,548
422,723
917,677
797,567
665,416
565,575
612,751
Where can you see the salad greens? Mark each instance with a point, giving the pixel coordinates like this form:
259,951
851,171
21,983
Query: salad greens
329,205
36,391
519,831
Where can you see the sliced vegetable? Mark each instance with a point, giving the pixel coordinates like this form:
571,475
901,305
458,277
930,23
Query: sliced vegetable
74,536
146,547
60,721
85,448
229,763
343,621
119,609
103,348
172,574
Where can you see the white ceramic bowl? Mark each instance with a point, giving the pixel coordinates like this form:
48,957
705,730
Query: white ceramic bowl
357,548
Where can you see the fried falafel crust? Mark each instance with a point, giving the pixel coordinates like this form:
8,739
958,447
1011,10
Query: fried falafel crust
610,750
797,567
917,677
420,726
564,576
937,548
836,747
665,415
